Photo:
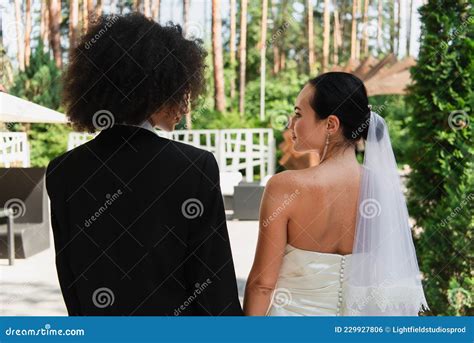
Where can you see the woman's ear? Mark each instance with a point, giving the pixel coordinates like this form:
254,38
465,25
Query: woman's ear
332,124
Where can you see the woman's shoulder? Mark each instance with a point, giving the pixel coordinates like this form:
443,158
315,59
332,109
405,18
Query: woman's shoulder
292,180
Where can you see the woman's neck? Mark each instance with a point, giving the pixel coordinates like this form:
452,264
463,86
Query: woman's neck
339,152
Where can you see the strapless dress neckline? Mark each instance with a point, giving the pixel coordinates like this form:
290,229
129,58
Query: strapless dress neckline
316,252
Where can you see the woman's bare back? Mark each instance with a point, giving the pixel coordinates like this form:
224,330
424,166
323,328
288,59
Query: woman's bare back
323,214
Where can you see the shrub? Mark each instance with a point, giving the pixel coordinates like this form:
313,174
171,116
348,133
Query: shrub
441,184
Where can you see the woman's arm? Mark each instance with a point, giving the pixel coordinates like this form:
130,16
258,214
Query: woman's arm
272,239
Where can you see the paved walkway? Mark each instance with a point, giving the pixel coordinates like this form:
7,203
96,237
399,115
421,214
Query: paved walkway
31,287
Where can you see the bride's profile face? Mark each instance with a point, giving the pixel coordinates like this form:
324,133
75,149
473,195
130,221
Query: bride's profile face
307,132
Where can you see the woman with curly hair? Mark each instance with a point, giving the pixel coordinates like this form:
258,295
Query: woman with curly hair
138,220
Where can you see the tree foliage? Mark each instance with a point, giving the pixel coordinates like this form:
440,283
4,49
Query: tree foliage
441,185
40,83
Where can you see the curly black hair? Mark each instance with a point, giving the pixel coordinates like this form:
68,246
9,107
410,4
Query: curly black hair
131,67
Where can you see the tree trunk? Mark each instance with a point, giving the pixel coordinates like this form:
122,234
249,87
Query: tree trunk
282,59
392,27
365,33
20,52
99,7
337,40
136,5
276,59
90,8
410,9
359,14
73,22
380,27
55,38
354,30
263,48
281,40
44,23
398,25
312,69
155,10
217,57
85,16
242,55
232,47
185,17
326,33
146,8
27,32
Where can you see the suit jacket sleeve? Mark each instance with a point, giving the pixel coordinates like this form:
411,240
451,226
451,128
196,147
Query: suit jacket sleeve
210,273
55,187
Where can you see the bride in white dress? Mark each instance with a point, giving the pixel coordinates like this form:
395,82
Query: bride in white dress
334,239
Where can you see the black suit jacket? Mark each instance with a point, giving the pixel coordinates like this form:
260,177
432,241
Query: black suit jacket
139,228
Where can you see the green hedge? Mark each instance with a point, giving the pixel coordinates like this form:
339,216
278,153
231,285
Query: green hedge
441,184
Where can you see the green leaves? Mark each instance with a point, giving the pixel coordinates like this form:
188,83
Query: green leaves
440,185
40,83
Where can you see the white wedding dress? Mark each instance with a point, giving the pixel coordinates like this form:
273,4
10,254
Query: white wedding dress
381,276
310,284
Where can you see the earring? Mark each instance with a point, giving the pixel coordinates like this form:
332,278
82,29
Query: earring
325,149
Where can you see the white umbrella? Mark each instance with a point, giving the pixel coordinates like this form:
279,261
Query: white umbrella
17,110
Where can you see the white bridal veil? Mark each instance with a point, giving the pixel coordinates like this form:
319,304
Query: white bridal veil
382,277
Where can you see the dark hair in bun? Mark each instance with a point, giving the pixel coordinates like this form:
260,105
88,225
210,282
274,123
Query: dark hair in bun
343,95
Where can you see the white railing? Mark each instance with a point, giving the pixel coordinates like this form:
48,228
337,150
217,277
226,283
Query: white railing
236,150
244,149
78,138
203,139
14,150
